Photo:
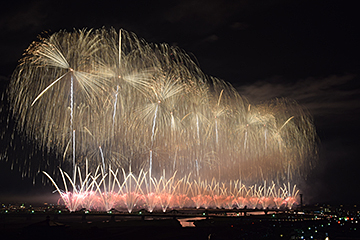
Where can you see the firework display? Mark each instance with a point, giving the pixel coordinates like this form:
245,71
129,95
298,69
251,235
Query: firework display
113,99
126,192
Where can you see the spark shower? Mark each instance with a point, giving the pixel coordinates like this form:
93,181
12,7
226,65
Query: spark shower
110,99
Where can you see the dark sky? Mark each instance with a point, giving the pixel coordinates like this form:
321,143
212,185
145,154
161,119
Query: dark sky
304,50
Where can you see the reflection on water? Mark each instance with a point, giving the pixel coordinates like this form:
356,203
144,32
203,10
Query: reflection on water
189,222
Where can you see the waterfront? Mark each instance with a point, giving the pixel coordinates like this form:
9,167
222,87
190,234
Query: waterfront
312,222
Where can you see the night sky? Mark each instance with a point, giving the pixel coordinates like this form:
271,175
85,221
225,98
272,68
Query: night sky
303,50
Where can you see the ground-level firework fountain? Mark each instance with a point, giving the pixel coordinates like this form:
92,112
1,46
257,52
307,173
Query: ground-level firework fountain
101,98
107,191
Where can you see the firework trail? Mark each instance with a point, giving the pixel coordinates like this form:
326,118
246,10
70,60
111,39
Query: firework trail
149,106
